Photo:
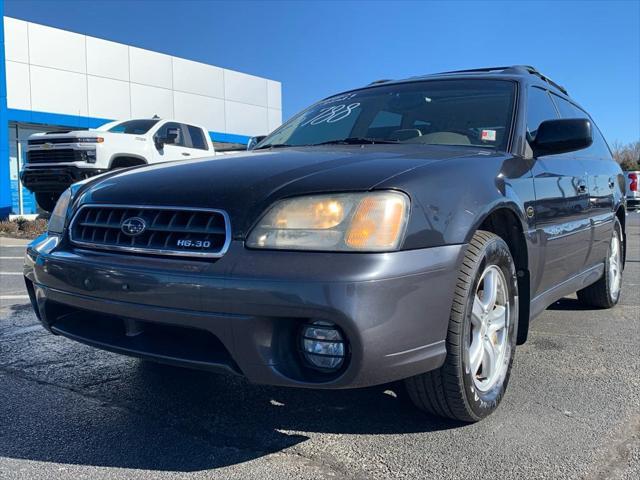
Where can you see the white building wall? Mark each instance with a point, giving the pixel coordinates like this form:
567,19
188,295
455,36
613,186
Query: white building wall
55,71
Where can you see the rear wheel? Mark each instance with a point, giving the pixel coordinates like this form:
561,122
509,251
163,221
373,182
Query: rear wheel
481,338
47,200
605,293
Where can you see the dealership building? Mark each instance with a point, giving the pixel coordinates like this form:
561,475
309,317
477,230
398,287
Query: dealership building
52,79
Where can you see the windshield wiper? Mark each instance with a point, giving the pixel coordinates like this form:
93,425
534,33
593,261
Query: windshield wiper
274,145
354,141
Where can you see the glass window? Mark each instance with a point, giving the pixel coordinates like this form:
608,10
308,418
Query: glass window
446,112
197,138
162,133
133,127
384,124
599,147
539,108
568,109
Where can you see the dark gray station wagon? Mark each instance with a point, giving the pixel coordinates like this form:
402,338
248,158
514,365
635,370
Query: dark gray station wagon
409,229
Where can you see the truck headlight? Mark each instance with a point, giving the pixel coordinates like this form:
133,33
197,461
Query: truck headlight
365,222
88,156
58,217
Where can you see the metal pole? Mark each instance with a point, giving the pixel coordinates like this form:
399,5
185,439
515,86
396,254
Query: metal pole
19,158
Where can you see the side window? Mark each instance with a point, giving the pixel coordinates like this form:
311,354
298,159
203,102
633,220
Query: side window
568,109
599,147
197,138
162,132
539,108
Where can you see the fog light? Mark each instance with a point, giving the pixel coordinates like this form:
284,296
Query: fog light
323,345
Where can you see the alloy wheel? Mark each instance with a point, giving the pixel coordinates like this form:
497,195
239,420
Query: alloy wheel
488,348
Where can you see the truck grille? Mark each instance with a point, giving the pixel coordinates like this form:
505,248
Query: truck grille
42,141
53,155
152,230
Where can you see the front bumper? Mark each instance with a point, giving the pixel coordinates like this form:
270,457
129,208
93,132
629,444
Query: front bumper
47,178
243,312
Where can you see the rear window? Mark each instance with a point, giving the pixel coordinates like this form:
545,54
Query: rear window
197,138
134,127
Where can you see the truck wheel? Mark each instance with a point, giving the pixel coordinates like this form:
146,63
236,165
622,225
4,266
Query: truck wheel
605,293
47,200
481,339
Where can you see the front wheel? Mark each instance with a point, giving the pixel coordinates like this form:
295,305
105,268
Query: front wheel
47,200
605,293
481,338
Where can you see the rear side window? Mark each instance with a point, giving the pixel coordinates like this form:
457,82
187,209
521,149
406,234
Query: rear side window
599,147
568,109
197,138
539,108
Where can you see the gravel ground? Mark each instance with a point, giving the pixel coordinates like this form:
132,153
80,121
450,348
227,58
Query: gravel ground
69,411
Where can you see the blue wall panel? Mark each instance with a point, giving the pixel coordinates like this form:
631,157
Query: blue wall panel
5,187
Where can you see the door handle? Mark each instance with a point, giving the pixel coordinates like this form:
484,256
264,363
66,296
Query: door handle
185,154
582,186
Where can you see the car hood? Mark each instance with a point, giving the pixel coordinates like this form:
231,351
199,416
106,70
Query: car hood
245,185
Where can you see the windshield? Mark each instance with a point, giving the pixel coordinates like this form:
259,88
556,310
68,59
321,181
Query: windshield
133,127
437,112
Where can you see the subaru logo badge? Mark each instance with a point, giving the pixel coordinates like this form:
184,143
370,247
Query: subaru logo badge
133,226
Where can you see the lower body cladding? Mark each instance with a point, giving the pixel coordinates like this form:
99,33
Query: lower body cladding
247,311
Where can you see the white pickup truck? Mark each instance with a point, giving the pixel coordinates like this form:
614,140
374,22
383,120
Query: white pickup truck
55,160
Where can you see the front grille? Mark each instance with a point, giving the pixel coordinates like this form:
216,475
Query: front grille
53,155
42,141
167,230
56,176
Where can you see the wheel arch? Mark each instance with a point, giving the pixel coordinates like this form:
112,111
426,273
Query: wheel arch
506,221
129,159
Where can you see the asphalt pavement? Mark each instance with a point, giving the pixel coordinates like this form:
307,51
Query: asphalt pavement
572,409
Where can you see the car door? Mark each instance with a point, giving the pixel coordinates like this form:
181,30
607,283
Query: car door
561,207
196,142
601,181
171,151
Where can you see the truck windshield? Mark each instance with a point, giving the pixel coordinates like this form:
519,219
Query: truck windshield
435,112
133,127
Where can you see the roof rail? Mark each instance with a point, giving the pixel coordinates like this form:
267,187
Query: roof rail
534,71
512,68
476,70
384,80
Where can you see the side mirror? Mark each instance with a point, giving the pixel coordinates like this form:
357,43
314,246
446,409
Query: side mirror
562,136
172,137
253,141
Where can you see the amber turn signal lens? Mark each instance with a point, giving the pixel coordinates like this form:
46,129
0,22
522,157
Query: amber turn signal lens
378,222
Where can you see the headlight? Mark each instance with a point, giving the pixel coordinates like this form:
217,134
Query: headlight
366,222
88,156
59,215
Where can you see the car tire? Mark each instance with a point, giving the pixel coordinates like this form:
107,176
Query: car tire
466,388
47,200
605,293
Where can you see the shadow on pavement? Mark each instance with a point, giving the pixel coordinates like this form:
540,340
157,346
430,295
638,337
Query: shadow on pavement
158,417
